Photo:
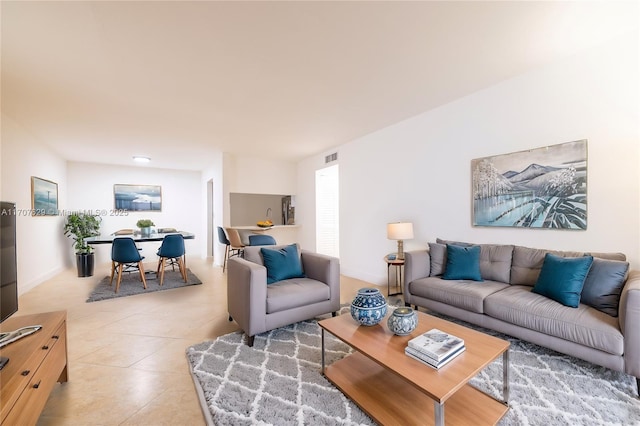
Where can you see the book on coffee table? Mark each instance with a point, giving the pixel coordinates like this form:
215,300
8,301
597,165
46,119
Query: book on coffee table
419,356
436,345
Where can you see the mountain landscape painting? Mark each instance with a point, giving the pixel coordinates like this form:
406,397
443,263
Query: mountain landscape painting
539,188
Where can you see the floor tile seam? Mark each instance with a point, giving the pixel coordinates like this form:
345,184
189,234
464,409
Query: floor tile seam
97,364
155,336
147,357
82,360
138,411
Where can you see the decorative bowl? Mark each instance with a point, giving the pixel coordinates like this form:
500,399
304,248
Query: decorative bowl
402,321
369,306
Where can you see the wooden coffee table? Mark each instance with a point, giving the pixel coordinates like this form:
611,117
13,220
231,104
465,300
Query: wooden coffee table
393,388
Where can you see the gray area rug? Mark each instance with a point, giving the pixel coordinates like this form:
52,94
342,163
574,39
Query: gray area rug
131,284
278,382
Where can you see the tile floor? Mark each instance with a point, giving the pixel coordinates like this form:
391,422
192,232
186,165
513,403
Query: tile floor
127,363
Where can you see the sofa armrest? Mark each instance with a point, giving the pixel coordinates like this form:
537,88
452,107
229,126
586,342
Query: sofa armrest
247,294
629,317
325,269
417,264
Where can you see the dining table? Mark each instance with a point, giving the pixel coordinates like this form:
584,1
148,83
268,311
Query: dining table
137,237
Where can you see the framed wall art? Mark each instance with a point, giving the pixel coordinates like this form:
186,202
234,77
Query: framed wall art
140,198
539,188
44,197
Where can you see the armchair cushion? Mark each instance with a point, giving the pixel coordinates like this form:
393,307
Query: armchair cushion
282,264
295,292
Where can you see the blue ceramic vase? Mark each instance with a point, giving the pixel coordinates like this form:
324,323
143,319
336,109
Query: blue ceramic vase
402,321
369,306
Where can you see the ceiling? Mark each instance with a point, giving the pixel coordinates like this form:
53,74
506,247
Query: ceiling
180,81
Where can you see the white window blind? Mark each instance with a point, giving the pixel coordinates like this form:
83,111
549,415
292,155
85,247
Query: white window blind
327,211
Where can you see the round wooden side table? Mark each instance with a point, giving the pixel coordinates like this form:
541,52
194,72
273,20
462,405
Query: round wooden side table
399,266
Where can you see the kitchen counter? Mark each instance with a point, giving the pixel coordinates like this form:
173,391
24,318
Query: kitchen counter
284,234
258,228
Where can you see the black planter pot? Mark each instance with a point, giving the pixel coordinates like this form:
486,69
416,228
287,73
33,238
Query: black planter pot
85,262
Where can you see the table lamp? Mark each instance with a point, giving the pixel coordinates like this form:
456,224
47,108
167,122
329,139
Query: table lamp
400,231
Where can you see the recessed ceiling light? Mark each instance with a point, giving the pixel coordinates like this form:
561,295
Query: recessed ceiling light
140,159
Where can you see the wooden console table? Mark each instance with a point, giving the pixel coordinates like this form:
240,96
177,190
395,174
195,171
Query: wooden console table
36,362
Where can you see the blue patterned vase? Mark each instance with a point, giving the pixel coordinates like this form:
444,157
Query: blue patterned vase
402,321
369,306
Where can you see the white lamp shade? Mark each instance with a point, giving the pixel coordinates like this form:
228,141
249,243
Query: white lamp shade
400,231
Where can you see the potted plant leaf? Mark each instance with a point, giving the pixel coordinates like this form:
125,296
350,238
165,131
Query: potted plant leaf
145,227
78,227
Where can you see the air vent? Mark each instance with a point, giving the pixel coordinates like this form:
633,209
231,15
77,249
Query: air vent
331,157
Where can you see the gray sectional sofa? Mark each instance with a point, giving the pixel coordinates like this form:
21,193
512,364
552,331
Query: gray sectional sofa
602,329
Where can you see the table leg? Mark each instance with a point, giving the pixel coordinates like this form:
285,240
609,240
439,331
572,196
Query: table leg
322,338
398,279
505,377
438,409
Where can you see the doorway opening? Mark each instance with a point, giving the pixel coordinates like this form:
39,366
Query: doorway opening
327,211
211,229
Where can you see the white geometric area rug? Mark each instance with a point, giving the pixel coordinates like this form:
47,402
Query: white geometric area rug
278,382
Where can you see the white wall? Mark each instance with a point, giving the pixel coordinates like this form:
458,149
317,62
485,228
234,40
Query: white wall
419,170
183,207
252,175
40,240
306,199
214,173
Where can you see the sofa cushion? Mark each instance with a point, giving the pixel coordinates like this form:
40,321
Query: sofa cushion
282,263
467,295
583,325
526,265
609,256
463,263
294,293
495,262
438,256
455,243
527,262
603,285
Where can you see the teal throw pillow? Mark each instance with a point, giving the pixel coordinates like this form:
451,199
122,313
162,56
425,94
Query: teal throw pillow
282,264
463,263
562,278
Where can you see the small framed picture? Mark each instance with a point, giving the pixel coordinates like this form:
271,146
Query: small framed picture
44,197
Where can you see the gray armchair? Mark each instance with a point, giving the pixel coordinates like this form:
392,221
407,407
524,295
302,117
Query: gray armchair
258,307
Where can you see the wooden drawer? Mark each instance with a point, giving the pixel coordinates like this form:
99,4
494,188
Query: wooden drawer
36,365
33,399
23,363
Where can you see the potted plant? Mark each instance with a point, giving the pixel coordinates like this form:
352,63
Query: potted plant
80,226
145,227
